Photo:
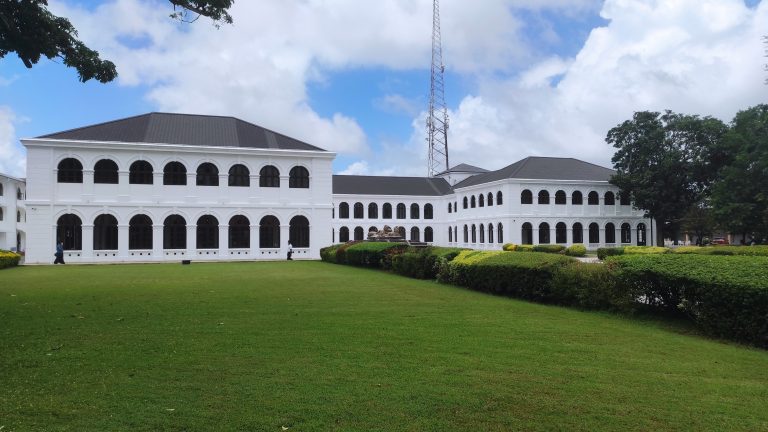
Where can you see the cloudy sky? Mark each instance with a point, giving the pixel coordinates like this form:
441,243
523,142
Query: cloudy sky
523,77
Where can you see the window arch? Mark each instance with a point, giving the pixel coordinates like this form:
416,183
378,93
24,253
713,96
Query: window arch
401,211
239,176
527,234
141,172
358,211
298,177
269,176
490,199
428,211
610,233
466,234
207,232
544,233
174,173
359,234
593,198
481,200
174,232
560,197
465,203
207,174
105,171
428,235
414,211
1,189
526,197
594,233
455,208
298,233
373,211
18,215
499,200
140,232
490,233
105,232
472,202
343,235
626,233
482,233
561,233
577,198
269,232
641,238
501,233
415,235
474,233
69,170
609,199
69,231
578,233
1,214
450,208
239,232
543,197
386,211
450,235
343,210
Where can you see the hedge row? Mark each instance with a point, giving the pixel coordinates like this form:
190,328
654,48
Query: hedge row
363,254
9,259
575,250
603,253
423,263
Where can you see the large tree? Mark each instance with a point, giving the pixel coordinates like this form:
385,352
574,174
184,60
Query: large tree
667,162
30,30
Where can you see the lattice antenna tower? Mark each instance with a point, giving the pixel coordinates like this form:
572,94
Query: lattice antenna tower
437,119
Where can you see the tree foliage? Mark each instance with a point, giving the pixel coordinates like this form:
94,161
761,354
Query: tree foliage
30,30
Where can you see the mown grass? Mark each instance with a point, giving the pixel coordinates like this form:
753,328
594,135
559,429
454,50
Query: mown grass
314,346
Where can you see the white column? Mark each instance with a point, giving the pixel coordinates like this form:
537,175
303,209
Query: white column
223,240
254,232
191,241
122,242
157,241
87,251
284,233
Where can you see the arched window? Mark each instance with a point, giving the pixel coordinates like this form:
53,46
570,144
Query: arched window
474,233
415,234
207,232
401,211
577,198
450,208
544,233
578,233
207,174
239,176
543,197
69,230
610,198
269,232
414,211
466,234
428,212
358,211
174,173
501,233
482,233
140,172
561,233
624,199
19,195
269,176
298,233
455,208
70,170
527,234
641,239
560,197
298,178
373,211
1,189
481,200
472,202
594,233
610,233
499,201
105,232
386,211
593,198
18,215
465,203
490,233
626,233
105,171
456,234
140,232
174,232
343,235
343,211
490,199
526,197
1,214
239,232
450,235
359,234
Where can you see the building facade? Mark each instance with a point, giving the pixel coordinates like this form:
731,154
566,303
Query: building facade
13,213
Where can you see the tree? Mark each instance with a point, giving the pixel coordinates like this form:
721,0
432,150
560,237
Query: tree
667,162
740,197
30,30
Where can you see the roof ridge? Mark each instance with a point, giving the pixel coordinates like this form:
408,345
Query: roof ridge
96,124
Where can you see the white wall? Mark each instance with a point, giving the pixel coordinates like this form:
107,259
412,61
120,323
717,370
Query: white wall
13,209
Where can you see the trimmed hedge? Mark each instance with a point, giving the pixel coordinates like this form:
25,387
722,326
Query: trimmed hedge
760,250
549,248
577,250
9,259
423,263
590,286
372,254
725,296
602,253
328,254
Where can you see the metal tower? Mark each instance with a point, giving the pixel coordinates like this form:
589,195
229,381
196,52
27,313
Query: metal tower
437,119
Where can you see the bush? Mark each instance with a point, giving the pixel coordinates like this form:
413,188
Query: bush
637,250
603,253
509,247
549,248
328,254
524,248
423,263
341,252
371,254
9,259
577,250
723,250
725,296
590,286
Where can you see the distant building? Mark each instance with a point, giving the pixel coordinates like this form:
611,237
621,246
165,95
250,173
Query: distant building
13,214
166,187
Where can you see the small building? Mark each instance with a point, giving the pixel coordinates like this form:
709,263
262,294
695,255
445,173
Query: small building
13,213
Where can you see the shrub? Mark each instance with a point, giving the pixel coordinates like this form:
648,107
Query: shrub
370,254
577,250
328,254
636,250
341,251
549,248
509,247
590,286
723,250
423,263
9,259
603,253
524,248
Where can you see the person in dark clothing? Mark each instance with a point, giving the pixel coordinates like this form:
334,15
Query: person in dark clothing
59,253
290,251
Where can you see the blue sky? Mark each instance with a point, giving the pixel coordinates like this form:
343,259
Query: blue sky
523,77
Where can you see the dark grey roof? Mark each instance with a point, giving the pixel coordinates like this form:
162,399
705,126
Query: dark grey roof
465,168
385,185
543,168
185,129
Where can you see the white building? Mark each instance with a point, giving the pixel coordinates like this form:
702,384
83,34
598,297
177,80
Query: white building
13,213
166,187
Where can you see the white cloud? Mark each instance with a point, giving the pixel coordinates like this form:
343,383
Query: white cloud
12,159
356,168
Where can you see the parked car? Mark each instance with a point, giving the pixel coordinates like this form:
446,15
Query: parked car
720,241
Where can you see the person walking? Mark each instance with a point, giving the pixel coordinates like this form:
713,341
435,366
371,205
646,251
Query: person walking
59,253
290,251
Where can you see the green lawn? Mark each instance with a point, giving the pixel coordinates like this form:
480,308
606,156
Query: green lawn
315,346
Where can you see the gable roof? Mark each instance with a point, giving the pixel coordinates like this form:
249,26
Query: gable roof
389,185
464,168
543,168
184,129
